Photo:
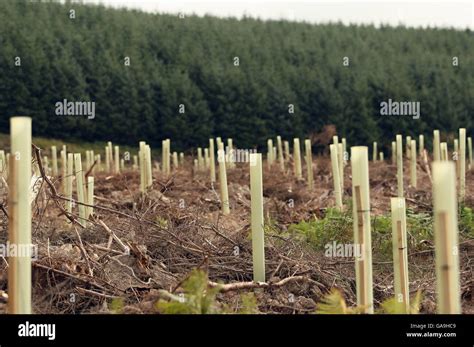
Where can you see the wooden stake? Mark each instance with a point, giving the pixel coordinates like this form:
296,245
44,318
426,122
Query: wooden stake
69,179
436,146
63,171
462,164
335,176
446,238
413,157
19,217
394,152
163,156
399,153
142,166
63,160
54,156
421,143
200,159
92,162
257,221
207,162
456,156
81,198
223,180
90,196
400,257
175,159
408,144
340,158
111,148
168,156
469,149
269,152
148,167
88,160
362,229
287,150
107,159
231,152
117,160
297,159
309,163
111,153
344,151
444,151
212,160
281,160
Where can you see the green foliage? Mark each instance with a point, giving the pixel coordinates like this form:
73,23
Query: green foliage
249,304
197,298
393,306
117,305
270,226
334,303
338,226
335,225
466,221
382,237
419,227
190,62
162,222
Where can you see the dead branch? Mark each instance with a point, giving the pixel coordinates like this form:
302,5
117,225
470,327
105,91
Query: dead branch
223,288
91,292
126,249
54,192
90,169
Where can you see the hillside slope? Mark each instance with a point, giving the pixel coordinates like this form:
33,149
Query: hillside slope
191,62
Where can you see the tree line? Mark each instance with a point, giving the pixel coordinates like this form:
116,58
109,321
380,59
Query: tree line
157,76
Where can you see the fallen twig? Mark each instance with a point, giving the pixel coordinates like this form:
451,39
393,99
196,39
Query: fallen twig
54,192
223,288
125,248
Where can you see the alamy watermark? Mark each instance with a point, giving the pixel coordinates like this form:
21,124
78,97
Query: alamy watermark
400,108
8,250
237,156
75,108
28,329
343,250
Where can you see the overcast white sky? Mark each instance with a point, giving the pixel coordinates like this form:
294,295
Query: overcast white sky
439,13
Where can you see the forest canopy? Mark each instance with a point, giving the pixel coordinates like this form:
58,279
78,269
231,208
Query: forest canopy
157,76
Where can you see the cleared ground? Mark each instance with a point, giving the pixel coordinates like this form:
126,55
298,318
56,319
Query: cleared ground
178,226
